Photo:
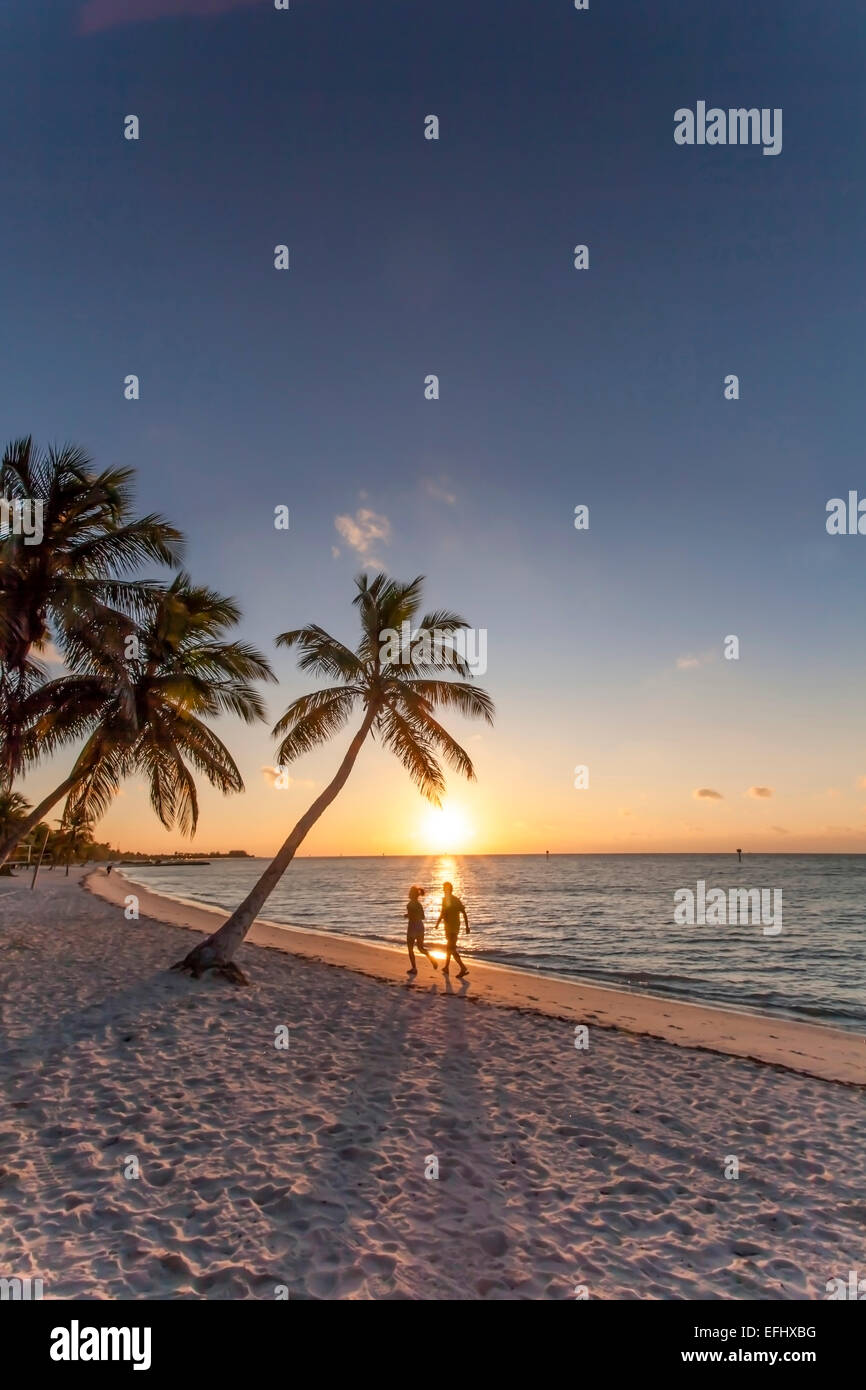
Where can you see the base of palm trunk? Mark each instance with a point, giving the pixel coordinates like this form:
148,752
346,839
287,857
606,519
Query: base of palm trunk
206,957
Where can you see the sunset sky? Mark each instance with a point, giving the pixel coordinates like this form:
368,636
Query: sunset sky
558,387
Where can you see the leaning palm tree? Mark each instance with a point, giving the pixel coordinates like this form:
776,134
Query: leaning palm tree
398,693
148,711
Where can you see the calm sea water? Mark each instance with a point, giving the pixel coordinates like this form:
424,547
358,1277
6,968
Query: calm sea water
608,918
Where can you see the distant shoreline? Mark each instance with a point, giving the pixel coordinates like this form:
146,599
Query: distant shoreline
542,854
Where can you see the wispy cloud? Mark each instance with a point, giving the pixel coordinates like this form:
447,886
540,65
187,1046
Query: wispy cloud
692,660
780,829
707,794
271,774
108,14
364,531
283,783
760,791
438,489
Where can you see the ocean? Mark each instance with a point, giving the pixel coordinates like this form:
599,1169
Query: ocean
607,918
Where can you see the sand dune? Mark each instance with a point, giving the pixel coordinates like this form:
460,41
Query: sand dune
306,1168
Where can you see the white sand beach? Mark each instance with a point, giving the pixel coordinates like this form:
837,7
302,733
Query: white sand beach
305,1168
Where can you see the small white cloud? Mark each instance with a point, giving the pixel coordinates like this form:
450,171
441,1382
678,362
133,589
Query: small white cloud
760,791
335,551
707,794
364,531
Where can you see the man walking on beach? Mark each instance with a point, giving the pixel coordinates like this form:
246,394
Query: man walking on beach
450,913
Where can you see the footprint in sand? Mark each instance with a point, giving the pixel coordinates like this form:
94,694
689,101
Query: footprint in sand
378,1266
493,1242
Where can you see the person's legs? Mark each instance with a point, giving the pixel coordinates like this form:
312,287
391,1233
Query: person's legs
456,955
410,941
450,950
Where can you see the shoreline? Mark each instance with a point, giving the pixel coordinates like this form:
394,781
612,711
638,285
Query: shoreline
810,1049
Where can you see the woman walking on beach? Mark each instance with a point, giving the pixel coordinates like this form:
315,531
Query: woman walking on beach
415,930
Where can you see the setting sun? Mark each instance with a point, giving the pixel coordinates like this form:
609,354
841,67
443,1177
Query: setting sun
446,830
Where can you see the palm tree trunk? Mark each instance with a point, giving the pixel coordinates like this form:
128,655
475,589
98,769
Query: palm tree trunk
217,951
25,826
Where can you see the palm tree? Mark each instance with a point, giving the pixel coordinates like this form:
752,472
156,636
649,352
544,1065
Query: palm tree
74,577
149,710
38,715
13,809
74,836
398,699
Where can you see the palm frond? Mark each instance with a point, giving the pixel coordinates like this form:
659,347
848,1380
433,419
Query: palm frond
413,748
312,720
321,653
468,700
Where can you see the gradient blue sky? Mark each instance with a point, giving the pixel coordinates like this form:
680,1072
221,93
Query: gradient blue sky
557,387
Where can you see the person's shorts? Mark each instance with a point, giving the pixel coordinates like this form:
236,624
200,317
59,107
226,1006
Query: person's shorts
415,935
451,936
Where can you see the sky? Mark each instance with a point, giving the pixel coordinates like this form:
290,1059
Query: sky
559,387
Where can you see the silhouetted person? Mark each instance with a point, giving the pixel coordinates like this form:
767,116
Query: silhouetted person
739,856
450,913
415,930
